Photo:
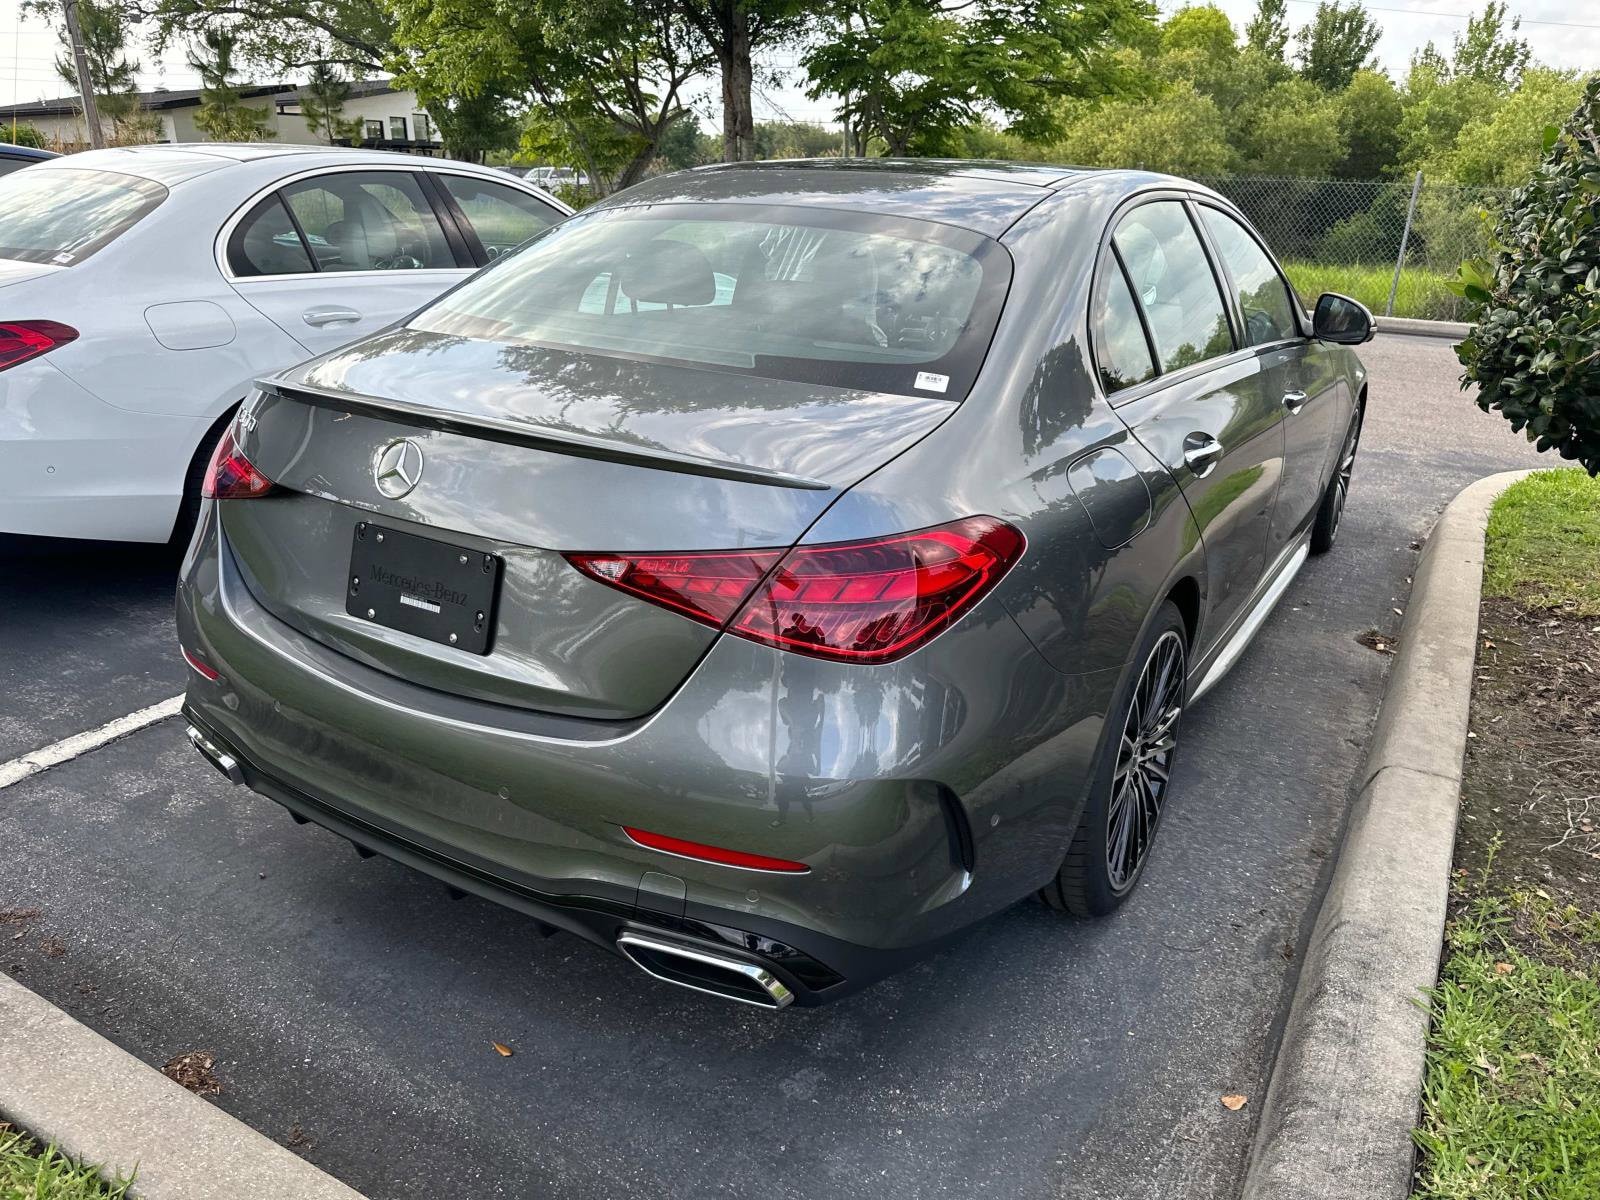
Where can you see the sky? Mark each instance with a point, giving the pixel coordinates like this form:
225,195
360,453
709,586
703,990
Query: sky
1563,33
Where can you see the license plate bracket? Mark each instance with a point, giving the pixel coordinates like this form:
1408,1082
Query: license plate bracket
435,590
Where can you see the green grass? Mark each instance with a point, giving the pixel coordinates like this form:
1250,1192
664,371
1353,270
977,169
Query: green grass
1422,293
29,1172
1511,1092
1544,543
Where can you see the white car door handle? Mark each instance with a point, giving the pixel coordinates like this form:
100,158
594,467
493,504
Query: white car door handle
330,314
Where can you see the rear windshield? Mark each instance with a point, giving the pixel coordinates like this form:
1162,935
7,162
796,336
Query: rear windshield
843,299
63,215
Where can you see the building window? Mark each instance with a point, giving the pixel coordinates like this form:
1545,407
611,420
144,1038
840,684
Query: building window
422,126
374,131
397,129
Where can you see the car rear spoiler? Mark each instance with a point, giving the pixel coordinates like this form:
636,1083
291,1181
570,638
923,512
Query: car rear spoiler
538,437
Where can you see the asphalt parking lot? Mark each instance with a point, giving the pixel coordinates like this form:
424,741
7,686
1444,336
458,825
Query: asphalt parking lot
352,1006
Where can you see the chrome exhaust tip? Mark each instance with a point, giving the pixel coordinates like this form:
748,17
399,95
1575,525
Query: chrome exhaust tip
705,971
216,755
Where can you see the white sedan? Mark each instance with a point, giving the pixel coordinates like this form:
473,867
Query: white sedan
143,289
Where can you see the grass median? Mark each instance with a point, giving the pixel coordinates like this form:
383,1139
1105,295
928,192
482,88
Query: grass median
1511,1095
29,1171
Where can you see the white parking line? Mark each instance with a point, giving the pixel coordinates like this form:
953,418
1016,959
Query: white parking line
70,748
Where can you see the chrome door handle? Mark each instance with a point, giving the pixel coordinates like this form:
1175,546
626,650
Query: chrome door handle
330,315
1200,453
1294,401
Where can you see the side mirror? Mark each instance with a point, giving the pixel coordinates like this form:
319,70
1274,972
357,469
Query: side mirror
1342,320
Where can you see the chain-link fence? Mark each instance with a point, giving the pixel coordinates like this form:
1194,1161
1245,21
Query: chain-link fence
1340,235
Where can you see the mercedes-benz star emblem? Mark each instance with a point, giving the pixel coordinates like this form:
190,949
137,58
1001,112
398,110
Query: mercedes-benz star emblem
398,468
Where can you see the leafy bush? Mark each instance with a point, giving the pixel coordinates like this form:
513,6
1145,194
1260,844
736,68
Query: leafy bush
1535,354
25,135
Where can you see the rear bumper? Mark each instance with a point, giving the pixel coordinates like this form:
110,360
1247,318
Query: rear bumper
601,919
72,466
923,796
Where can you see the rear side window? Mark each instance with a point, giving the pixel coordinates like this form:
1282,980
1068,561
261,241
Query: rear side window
1262,295
267,243
1172,279
1121,353
502,217
369,221
62,215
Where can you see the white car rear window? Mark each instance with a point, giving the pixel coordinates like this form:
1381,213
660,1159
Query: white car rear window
63,215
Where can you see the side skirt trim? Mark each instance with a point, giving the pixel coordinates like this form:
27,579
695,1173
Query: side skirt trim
1247,629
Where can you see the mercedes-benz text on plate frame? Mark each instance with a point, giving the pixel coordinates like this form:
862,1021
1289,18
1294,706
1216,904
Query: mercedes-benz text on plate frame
398,468
755,576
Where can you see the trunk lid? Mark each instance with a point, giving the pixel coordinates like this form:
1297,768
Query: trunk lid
526,453
14,271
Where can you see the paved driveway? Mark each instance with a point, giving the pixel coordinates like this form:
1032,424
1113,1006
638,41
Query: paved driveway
352,1006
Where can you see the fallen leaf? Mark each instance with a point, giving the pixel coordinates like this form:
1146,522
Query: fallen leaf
503,1050
1234,1102
1503,968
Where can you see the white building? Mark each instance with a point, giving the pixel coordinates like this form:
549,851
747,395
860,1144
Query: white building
391,118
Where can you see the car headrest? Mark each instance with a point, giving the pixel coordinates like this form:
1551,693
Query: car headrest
664,271
366,236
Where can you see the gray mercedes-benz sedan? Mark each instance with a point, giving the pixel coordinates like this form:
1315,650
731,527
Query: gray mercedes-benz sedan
777,568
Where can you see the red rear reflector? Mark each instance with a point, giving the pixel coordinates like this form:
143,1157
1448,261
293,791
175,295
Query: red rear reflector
714,854
232,476
22,340
204,670
869,602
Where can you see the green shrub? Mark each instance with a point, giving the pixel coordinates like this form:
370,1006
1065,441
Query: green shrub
1535,354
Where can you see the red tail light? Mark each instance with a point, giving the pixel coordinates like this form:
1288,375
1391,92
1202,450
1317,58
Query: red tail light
867,602
716,854
22,340
232,476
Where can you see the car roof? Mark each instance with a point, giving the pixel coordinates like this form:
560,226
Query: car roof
33,153
984,196
172,163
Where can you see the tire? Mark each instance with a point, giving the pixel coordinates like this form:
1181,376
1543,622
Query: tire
189,505
1330,513
1111,844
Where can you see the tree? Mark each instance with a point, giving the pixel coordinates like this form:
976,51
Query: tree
1182,132
1292,128
1201,28
1490,52
606,73
910,74
1502,147
1268,30
1535,352
223,113
322,104
1338,43
112,74
280,35
733,28
1370,111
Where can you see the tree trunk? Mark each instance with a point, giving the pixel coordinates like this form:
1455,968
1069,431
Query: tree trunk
738,117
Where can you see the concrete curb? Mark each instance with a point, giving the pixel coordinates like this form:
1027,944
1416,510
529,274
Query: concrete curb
1347,1082
62,1082
1454,330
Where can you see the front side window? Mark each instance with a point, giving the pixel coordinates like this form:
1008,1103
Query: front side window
1262,295
369,221
267,243
849,300
1173,281
502,217
63,215
1121,353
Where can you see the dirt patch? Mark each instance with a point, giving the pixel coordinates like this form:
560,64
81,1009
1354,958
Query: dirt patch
1530,813
195,1071
1376,639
